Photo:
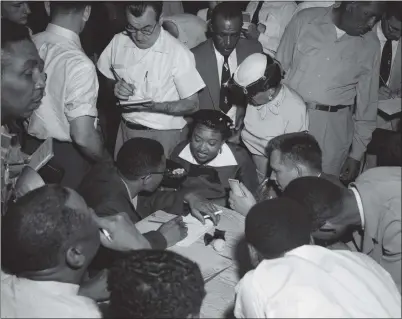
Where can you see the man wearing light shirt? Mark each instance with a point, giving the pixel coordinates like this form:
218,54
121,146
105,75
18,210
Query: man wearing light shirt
146,62
269,20
68,111
294,279
332,60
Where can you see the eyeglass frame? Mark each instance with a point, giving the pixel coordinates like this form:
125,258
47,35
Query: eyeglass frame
141,30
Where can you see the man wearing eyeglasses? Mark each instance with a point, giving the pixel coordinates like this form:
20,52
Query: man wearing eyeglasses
146,63
112,188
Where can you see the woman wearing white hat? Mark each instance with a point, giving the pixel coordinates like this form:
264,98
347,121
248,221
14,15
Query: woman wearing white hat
273,108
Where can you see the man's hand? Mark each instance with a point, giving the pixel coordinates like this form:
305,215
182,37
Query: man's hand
252,32
123,90
199,206
96,288
242,205
384,93
349,171
174,230
124,236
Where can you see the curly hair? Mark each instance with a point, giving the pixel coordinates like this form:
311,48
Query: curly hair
215,120
276,226
322,198
138,8
155,284
37,228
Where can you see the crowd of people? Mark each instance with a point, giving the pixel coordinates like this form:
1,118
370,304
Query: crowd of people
160,112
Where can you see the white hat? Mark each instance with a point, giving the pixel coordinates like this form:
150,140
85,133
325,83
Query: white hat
250,70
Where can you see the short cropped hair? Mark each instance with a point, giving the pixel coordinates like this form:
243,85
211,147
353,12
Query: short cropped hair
37,228
155,284
57,7
276,226
226,10
12,32
138,157
394,9
322,198
297,148
137,8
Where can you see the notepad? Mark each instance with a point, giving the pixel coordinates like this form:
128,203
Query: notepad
390,106
134,102
42,155
195,228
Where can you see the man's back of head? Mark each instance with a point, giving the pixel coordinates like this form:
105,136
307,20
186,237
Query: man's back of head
49,228
155,284
276,226
72,15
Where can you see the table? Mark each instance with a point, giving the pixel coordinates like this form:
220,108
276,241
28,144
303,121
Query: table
220,287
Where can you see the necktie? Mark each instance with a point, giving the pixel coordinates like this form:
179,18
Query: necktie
385,66
224,102
255,18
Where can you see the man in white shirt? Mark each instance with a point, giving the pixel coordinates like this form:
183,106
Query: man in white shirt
312,4
372,205
146,63
68,112
269,20
293,279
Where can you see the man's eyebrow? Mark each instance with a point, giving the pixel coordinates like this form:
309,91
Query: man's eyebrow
30,64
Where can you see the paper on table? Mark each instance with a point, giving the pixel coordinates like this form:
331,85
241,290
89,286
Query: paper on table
390,106
195,228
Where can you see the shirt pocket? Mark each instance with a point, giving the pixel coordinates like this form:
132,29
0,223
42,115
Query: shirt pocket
306,54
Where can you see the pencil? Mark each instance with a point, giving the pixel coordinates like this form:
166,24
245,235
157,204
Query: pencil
106,233
216,214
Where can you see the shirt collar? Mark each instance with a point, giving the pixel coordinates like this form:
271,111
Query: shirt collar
380,34
359,203
218,54
224,158
161,45
325,18
63,32
54,287
275,104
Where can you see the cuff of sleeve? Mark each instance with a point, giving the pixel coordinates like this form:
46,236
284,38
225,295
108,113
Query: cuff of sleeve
356,153
189,83
156,239
82,110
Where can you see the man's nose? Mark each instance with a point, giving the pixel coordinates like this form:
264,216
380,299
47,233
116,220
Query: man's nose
41,80
27,10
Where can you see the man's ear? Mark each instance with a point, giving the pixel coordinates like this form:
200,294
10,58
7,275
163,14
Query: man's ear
87,13
161,19
47,7
74,257
146,179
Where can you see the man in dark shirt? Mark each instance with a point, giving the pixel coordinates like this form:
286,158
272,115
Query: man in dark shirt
110,188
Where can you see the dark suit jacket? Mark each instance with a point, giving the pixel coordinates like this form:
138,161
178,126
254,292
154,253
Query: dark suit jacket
105,192
207,67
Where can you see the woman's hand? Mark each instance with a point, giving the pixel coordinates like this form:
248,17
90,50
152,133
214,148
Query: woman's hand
199,206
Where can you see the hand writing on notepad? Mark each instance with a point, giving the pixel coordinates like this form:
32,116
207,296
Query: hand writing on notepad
174,230
199,206
123,90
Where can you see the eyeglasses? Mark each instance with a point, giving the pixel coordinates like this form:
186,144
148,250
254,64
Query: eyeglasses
144,31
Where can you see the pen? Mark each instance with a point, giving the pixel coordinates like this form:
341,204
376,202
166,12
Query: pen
156,221
118,78
146,76
216,213
106,233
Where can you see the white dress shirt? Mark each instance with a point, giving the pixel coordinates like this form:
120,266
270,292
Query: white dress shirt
24,298
232,66
315,282
275,15
71,86
383,39
313,4
286,113
165,72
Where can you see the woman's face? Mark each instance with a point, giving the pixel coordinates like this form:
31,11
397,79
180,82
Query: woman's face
205,143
